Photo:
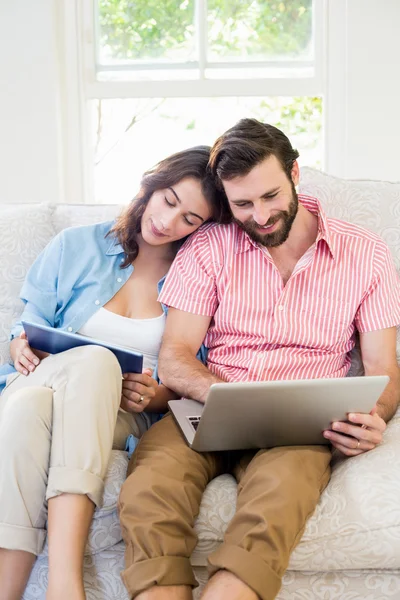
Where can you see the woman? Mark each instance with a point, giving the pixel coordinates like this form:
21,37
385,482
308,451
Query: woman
60,415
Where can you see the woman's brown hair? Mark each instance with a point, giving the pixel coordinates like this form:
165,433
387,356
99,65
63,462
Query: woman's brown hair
168,172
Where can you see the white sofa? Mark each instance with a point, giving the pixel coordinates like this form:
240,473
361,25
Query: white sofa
351,546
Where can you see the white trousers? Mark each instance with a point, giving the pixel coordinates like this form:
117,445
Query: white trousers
57,428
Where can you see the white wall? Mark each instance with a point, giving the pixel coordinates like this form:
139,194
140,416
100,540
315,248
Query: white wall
373,97
30,151
363,89
363,98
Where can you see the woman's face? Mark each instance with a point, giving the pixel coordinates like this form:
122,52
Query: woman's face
175,212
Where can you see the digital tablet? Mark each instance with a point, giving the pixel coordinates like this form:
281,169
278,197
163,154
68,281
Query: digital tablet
54,341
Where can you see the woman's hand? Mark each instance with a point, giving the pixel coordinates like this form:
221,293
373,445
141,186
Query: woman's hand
363,433
138,389
25,360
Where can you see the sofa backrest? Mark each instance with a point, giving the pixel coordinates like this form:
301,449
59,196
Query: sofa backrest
25,229
374,205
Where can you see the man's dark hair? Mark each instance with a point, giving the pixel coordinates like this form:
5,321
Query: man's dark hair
237,151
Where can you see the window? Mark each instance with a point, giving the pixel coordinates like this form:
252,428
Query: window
197,40
161,76
130,135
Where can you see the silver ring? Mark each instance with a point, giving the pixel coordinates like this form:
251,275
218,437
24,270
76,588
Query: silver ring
140,400
358,444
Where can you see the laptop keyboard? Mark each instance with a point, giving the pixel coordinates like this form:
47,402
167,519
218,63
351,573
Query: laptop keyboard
194,421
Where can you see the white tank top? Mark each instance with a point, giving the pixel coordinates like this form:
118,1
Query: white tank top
141,335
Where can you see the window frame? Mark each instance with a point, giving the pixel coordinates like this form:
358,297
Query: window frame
280,85
77,44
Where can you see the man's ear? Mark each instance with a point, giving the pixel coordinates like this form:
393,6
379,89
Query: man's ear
295,173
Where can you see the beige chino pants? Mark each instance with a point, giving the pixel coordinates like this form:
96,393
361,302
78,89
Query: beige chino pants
57,428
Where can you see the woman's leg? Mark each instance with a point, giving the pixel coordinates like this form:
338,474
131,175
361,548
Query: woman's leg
80,511
67,545
25,426
85,384
87,394
15,568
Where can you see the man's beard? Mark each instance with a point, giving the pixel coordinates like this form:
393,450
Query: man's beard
280,235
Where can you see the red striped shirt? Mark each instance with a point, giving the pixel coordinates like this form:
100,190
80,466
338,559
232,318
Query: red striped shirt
265,330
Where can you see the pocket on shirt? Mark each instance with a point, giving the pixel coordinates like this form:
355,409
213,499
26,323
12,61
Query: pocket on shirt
327,326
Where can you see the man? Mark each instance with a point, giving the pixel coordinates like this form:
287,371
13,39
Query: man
277,294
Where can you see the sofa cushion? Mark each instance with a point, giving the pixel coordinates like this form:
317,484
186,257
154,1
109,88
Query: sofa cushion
71,215
24,232
374,205
105,530
357,523
371,204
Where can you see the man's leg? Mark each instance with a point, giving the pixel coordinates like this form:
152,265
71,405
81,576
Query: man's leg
167,592
278,491
225,584
158,504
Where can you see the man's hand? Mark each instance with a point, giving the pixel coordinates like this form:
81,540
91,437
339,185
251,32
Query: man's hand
138,389
25,360
365,431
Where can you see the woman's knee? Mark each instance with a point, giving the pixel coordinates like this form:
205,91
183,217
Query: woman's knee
27,409
98,357
29,402
94,368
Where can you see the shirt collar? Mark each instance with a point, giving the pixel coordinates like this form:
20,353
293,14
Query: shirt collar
114,246
314,206
244,242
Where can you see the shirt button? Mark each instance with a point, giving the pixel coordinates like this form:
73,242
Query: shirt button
69,328
119,279
280,307
97,302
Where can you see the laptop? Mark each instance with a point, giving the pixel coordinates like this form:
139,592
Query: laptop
239,416
54,341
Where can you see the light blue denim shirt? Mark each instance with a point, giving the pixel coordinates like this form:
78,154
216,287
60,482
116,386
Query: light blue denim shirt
76,274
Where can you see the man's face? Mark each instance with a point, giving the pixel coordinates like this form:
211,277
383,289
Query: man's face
264,203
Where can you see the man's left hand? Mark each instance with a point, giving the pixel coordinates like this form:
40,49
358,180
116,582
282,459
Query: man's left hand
365,431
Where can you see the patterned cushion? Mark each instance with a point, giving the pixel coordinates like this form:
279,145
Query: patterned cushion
371,204
24,232
103,581
105,530
71,215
